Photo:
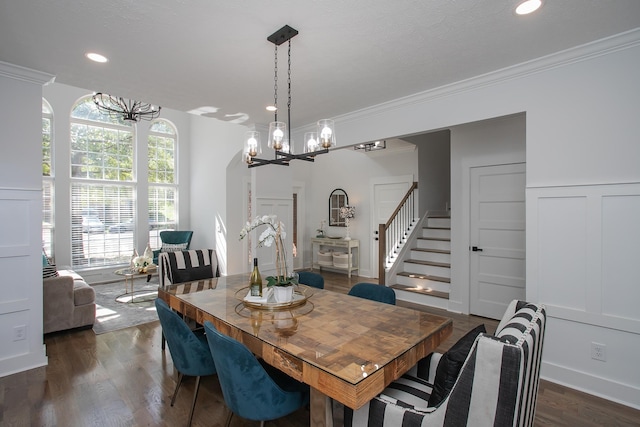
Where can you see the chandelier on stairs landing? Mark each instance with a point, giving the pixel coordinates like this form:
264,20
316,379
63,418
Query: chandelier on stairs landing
280,132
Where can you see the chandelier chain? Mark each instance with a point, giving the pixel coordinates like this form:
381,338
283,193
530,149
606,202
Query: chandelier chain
289,93
275,84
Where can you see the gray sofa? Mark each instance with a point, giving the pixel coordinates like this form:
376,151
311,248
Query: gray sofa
68,302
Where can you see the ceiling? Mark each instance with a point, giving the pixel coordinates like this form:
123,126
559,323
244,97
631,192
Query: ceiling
187,54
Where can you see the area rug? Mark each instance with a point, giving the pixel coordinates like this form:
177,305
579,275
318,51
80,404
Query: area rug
116,311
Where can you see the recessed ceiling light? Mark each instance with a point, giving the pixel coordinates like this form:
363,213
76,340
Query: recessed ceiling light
96,57
271,108
528,6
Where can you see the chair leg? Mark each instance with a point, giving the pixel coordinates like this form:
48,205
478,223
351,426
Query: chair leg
175,393
163,341
228,423
193,404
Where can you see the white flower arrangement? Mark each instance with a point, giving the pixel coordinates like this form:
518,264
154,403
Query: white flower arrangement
142,263
274,233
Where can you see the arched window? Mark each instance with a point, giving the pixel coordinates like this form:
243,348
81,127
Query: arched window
163,188
102,187
48,224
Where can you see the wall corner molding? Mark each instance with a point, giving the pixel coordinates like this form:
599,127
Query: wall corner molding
24,74
622,41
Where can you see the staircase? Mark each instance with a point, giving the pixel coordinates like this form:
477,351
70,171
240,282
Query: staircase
426,269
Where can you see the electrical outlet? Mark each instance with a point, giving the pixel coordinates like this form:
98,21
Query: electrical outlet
598,351
19,333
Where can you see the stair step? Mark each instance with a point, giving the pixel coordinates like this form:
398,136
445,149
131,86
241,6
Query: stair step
436,233
425,277
437,251
432,263
437,239
437,294
439,222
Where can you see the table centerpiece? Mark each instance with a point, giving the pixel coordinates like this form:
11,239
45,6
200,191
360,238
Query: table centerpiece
274,233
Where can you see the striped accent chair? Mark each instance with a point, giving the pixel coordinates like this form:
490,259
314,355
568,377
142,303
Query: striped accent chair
187,266
497,384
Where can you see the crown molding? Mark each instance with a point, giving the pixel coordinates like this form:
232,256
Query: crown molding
618,42
24,74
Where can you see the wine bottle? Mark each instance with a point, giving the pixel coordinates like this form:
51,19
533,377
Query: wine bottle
255,282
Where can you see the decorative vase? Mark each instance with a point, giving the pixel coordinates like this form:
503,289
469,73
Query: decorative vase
283,294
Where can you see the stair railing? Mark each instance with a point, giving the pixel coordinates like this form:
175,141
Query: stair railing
392,235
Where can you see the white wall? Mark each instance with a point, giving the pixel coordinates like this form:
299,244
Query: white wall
434,180
582,129
213,145
484,143
21,218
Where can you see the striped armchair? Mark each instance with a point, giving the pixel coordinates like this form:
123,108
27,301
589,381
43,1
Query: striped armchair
497,384
187,266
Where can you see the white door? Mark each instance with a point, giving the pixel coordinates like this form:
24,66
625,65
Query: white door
386,194
497,240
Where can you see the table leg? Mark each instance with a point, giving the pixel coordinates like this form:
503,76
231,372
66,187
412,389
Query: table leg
321,412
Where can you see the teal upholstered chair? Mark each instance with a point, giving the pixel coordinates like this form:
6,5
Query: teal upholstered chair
374,292
251,389
173,237
311,279
189,350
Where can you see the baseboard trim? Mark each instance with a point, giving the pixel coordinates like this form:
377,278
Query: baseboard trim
624,394
23,362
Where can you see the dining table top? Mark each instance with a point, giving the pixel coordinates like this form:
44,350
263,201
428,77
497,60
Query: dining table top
348,348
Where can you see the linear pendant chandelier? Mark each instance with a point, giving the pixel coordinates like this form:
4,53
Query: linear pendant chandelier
280,132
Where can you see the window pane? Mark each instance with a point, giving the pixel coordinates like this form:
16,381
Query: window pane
46,146
88,110
98,152
162,126
47,217
48,224
161,154
162,213
102,215
95,210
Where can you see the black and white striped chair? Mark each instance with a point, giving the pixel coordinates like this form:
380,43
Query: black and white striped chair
187,265
497,384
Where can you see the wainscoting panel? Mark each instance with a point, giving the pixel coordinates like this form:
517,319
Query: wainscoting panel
621,256
562,243
583,264
21,345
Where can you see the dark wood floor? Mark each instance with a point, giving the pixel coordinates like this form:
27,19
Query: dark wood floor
122,378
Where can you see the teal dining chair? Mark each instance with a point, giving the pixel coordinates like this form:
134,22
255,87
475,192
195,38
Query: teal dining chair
374,292
310,278
189,350
251,389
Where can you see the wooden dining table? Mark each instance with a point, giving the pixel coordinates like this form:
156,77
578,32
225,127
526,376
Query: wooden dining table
344,347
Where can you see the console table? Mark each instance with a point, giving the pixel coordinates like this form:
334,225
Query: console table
347,246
